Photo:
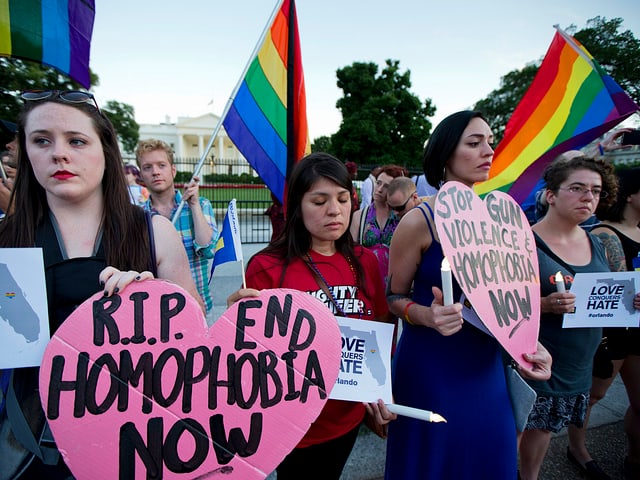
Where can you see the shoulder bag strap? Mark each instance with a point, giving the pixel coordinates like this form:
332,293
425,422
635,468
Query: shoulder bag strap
363,223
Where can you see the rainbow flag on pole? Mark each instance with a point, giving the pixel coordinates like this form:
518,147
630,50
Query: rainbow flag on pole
571,102
52,32
267,120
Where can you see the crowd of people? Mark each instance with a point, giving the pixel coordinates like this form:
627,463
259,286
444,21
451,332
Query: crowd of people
376,256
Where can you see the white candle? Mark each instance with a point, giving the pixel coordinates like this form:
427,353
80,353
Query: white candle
447,289
425,415
560,283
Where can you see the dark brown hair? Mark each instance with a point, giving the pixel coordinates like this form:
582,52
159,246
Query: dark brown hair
124,234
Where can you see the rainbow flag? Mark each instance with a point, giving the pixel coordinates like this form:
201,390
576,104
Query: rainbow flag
53,32
267,120
571,102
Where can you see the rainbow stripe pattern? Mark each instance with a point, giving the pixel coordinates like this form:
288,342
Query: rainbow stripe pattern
570,102
52,32
267,120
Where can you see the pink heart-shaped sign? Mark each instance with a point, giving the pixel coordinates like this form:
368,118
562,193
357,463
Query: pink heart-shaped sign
490,247
137,386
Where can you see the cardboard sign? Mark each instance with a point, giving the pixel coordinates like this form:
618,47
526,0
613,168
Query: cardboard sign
137,386
365,362
24,318
492,253
604,299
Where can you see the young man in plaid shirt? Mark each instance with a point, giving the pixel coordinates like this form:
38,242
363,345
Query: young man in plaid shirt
196,223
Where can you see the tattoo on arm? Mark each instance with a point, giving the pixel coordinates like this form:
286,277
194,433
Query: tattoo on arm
613,249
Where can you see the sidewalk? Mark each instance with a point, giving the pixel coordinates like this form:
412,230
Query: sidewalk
606,440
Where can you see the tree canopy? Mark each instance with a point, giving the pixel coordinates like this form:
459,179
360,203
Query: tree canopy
17,76
615,50
382,121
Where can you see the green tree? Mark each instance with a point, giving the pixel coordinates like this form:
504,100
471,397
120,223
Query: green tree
616,51
382,121
322,144
17,76
122,117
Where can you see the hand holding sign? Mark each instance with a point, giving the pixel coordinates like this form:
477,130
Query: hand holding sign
493,257
152,391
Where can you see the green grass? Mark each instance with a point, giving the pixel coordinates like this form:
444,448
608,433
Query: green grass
239,193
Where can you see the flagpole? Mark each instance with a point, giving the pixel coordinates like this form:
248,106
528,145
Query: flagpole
229,102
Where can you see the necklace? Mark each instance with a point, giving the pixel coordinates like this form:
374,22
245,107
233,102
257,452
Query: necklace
326,287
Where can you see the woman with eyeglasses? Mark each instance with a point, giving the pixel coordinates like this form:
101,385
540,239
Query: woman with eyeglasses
619,350
71,199
373,226
575,189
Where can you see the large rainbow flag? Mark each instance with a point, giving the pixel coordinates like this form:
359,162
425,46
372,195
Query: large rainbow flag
53,32
267,120
571,102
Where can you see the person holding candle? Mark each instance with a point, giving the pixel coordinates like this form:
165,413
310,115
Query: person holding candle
619,350
575,190
314,253
442,363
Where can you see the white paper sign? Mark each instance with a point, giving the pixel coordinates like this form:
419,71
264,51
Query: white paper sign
365,363
24,319
604,299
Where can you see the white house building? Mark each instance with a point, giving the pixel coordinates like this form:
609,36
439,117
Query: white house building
189,137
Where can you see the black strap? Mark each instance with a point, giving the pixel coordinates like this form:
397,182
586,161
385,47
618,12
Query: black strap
153,267
49,455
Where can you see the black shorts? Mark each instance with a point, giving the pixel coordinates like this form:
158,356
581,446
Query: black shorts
616,344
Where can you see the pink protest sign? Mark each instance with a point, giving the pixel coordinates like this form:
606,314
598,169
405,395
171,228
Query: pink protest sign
137,386
492,253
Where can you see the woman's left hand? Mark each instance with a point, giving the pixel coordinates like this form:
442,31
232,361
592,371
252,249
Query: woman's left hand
636,301
541,361
114,280
380,412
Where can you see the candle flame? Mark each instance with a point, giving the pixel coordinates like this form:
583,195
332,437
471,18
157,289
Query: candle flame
445,264
559,277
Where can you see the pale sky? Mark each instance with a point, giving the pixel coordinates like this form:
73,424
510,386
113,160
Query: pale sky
171,59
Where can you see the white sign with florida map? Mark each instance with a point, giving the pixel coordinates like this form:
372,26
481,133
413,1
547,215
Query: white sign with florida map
365,361
604,299
24,319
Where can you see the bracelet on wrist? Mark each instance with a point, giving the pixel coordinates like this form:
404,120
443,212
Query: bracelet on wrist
406,313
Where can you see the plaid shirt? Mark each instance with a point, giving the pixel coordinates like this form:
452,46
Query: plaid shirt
199,255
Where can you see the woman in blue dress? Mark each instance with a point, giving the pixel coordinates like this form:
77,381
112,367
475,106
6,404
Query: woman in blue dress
442,363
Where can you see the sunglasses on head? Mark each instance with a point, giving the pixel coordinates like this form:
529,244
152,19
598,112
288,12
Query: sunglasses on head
67,96
400,208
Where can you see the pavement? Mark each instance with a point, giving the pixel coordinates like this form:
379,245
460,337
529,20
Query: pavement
605,440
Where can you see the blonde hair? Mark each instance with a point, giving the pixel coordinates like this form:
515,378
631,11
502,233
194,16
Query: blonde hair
151,145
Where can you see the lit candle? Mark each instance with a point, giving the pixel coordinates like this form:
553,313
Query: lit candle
447,289
425,415
560,283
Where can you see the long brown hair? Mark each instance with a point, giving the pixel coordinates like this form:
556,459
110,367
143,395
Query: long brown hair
124,234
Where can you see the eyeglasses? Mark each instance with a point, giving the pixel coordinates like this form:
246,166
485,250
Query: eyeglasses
68,96
581,190
400,208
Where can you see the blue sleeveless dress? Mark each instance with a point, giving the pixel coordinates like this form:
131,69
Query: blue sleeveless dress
461,377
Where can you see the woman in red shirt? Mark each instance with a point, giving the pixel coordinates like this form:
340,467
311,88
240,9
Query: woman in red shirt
315,254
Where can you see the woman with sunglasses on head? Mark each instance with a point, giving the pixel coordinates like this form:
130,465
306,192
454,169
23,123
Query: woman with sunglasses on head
315,254
71,199
374,225
575,189
442,363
